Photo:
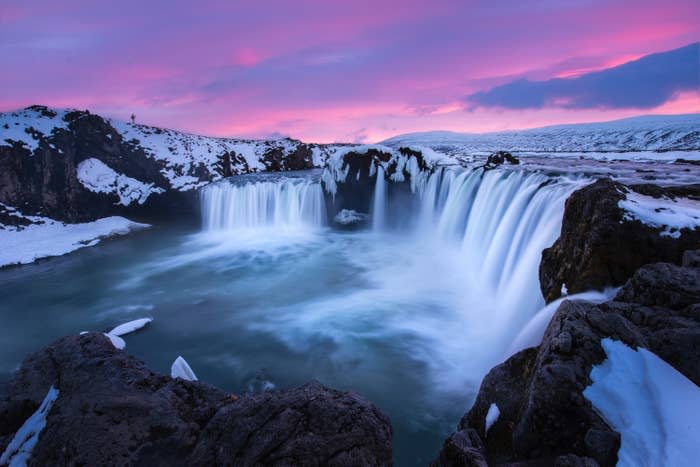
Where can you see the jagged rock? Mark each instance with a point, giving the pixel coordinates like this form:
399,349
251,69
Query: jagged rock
599,248
691,259
500,158
545,419
112,410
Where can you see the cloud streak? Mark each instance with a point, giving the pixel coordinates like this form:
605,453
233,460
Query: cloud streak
641,84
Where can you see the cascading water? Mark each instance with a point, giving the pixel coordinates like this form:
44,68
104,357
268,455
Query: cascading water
286,204
379,202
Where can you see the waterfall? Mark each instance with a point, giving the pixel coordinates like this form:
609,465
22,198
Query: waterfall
498,221
289,203
379,202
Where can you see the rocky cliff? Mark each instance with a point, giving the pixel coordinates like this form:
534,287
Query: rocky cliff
112,410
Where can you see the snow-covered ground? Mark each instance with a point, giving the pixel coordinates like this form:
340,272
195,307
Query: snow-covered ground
669,214
639,134
46,237
18,126
653,407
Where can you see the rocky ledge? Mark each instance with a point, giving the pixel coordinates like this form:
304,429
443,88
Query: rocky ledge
112,410
544,417
602,245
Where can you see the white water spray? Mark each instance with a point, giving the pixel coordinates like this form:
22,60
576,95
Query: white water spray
379,203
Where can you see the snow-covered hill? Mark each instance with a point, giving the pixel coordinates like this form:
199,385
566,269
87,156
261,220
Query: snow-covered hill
647,133
185,160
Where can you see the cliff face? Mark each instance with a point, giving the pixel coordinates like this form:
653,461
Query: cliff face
74,166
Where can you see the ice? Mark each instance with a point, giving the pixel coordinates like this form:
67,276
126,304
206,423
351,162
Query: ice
491,417
181,369
349,217
653,407
130,327
98,177
19,451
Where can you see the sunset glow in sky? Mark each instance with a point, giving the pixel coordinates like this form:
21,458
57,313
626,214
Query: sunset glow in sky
325,71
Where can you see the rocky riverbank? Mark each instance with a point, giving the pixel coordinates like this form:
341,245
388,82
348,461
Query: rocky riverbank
112,410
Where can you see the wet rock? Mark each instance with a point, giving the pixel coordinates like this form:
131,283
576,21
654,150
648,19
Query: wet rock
500,158
599,248
545,419
113,410
691,259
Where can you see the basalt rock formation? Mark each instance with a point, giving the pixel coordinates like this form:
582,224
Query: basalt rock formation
600,247
544,417
112,410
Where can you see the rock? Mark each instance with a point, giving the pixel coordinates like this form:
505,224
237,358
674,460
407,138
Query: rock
500,158
113,410
662,284
599,248
691,259
545,419
462,448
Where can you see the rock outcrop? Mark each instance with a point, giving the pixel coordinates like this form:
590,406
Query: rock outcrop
600,247
113,410
544,417
39,171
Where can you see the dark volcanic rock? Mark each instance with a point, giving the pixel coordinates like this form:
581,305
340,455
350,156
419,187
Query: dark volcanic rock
500,158
599,248
112,410
544,417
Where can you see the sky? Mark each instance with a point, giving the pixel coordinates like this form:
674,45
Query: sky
352,71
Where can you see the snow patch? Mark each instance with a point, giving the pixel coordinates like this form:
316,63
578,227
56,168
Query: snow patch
669,214
48,237
98,177
491,417
19,451
181,369
130,327
653,407
24,125
116,341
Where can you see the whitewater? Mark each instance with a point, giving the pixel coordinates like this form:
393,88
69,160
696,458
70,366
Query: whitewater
410,308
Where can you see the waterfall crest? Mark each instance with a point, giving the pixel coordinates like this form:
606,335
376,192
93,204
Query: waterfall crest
292,203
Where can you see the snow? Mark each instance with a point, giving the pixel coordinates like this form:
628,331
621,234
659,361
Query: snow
639,134
349,217
19,451
653,407
48,237
130,327
669,214
116,341
98,177
183,153
181,369
531,335
491,417
20,122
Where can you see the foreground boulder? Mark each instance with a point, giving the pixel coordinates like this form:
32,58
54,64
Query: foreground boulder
112,410
600,246
544,417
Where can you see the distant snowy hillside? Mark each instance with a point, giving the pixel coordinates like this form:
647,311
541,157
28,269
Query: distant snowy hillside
648,133
185,160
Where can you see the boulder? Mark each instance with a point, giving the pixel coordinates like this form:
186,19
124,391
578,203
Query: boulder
111,409
600,247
